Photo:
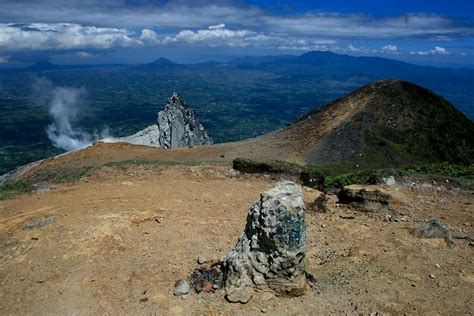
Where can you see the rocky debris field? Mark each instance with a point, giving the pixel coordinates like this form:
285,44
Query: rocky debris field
118,240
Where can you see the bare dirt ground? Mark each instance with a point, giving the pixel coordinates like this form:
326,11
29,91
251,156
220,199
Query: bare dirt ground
115,242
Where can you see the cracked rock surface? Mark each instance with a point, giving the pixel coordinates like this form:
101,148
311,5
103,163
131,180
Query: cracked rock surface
176,127
270,252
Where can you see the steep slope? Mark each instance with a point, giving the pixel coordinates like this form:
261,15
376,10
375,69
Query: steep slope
384,124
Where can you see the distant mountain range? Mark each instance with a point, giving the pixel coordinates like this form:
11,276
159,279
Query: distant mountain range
456,84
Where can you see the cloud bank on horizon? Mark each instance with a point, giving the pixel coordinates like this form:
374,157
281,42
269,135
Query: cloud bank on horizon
89,29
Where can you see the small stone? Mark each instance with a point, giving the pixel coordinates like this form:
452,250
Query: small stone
202,260
263,310
143,299
437,265
389,181
181,287
184,297
41,280
432,276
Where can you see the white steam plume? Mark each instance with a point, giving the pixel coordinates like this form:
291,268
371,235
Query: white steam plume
64,105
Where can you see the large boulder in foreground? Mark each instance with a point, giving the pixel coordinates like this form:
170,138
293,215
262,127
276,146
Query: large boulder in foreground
270,252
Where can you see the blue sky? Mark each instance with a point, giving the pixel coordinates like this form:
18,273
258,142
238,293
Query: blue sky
438,33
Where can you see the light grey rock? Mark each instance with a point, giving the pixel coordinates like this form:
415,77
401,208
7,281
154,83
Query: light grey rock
179,127
434,229
181,287
40,222
270,252
176,127
390,180
149,137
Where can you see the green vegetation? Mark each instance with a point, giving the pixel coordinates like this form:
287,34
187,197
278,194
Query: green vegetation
333,178
443,169
9,191
277,166
232,102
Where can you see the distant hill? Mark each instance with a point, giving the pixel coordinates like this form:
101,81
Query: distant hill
385,124
43,66
159,63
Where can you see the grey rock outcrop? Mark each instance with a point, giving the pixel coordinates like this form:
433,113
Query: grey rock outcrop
434,229
176,127
270,252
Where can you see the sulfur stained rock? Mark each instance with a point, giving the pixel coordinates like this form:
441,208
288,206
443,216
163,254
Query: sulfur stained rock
270,252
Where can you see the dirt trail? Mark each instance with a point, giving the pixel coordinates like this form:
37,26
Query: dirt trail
122,236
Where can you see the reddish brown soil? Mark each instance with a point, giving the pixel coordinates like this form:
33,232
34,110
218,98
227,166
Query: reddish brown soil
122,236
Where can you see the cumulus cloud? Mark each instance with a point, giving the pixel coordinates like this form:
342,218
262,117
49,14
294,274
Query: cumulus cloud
437,50
217,36
62,36
110,24
390,48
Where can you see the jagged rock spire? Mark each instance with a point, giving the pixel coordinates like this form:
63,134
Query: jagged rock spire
179,127
176,127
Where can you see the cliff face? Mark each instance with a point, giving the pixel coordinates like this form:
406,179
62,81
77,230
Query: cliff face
177,127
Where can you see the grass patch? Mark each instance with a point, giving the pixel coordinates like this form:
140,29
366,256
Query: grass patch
9,191
443,169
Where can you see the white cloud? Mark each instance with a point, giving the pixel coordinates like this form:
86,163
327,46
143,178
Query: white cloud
363,26
218,26
440,50
390,48
216,36
84,55
62,36
437,50
352,48
149,37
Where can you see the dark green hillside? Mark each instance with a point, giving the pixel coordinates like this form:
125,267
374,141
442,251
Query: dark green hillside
400,123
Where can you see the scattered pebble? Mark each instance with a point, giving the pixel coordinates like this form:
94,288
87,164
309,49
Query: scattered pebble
432,276
181,287
202,259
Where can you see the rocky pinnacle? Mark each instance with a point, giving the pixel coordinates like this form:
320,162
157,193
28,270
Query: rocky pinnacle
176,127
270,252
